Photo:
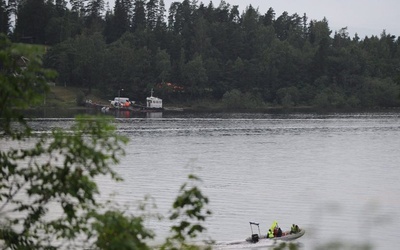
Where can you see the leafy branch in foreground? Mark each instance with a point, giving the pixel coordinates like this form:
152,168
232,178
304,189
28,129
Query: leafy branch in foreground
189,207
47,180
23,82
118,231
56,173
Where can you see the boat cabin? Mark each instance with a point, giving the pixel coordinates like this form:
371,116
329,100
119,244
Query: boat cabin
153,102
121,99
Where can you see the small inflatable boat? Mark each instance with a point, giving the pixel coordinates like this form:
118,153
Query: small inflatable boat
286,235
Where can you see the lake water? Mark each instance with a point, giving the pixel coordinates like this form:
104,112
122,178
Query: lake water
336,175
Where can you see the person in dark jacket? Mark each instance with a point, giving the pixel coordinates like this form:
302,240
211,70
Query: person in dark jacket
279,232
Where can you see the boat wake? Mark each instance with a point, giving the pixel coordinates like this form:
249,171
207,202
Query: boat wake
262,244
242,244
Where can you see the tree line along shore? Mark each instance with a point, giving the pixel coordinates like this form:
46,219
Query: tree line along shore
212,55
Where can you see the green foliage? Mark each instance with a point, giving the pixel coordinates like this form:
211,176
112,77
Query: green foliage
377,92
22,81
188,208
115,230
59,169
288,97
195,76
235,99
329,98
232,99
80,98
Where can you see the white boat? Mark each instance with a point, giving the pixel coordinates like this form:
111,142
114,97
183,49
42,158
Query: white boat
153,102
120,102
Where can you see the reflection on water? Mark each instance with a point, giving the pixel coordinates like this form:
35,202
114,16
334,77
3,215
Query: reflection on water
53,113
336,175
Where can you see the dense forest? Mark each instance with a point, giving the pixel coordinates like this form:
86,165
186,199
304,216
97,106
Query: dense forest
197,51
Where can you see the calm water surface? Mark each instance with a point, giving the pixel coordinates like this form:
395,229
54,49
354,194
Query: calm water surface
336,175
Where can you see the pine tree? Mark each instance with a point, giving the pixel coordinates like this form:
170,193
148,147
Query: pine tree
95,8
78,6
118,23
61,7
152,8
269,17
4,18
161,12
94,12
31,21
139,15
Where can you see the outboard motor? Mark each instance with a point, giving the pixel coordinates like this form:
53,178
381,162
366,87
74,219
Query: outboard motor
254,238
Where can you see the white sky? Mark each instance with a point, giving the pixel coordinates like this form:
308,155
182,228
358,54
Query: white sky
364,17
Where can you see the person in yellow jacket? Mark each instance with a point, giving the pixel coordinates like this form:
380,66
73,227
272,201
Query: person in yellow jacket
294,229
270,234
274,227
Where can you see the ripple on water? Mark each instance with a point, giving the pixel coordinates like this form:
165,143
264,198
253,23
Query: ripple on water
322,172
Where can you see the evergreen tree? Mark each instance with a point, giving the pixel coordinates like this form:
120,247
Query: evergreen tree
269,17
160,31
4,18
109,32
94,12
161,12
288,26
152,8
305,26
61,7
172,14
160,15
234,15
120,21
139,15
185,20
250,21
79,7
32,19
319,30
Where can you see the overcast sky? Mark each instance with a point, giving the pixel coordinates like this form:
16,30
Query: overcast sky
365,17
